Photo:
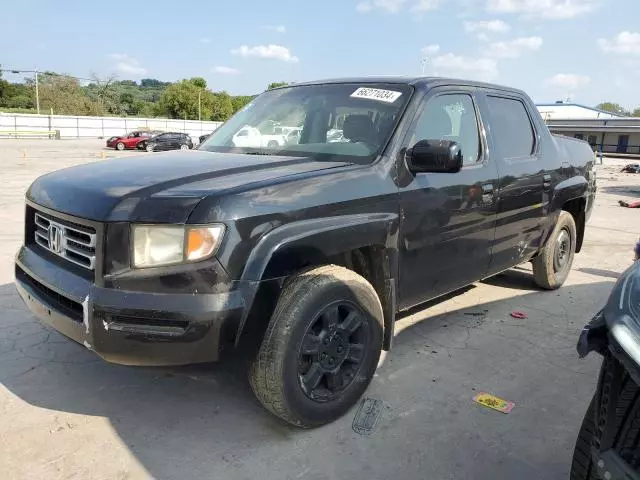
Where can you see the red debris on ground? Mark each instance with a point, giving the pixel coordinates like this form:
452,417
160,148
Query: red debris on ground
520,315
635,204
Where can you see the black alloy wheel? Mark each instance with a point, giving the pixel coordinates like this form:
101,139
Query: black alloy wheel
332,349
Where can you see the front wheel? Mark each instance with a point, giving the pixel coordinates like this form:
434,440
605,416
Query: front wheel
184,147
321,348
120,146
149,148
552,266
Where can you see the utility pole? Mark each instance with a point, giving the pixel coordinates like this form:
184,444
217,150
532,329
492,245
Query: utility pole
199,105
424,62
37,93
35,75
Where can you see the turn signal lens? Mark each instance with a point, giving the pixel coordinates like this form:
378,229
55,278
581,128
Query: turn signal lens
203,241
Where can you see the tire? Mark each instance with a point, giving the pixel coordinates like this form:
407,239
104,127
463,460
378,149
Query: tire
582,467
184,147
272,144
281,367
149,148
120,146
617,391
549,270
142,146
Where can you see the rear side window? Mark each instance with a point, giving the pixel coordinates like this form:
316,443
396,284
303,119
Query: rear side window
511,127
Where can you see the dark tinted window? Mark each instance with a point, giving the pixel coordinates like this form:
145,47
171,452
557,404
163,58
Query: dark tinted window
450,117
511,127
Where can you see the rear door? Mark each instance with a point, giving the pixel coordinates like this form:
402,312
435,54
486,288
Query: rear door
447,219
515,145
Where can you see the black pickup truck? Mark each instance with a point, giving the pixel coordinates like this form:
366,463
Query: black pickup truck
395,192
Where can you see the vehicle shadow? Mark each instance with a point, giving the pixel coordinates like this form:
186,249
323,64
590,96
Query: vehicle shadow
624,190
186,423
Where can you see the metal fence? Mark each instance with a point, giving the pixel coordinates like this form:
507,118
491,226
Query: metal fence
96,127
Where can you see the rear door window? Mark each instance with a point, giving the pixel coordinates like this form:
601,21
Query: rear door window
511,127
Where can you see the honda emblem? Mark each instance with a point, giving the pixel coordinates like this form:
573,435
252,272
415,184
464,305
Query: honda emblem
55,238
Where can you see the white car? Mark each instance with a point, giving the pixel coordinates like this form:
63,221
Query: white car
251,137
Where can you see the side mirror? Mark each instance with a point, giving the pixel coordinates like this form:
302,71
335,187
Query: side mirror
435,156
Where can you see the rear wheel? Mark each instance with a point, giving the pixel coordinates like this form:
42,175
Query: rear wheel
149,148
552,266
184,147
272,144
120,146
321,347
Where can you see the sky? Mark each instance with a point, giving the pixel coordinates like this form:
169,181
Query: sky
587,51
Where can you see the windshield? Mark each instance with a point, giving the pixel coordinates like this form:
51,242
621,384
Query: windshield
334,122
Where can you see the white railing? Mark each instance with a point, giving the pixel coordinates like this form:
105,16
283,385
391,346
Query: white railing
97,127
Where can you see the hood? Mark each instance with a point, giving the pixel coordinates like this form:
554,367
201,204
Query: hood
159,188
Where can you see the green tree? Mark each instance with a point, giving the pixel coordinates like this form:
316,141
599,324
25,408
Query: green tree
240,101
64,95
199,82
180,100
273,85
613,108
222,107
636,112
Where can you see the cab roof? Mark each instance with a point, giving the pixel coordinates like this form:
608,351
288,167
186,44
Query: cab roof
419,82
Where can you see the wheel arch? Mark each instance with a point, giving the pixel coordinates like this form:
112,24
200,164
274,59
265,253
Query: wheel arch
571,196
364,243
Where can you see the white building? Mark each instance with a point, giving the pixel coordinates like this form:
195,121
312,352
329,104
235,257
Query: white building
606,132
569,111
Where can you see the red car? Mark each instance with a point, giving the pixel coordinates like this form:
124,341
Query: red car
130,140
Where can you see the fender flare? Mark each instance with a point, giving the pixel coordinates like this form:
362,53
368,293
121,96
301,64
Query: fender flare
569,189
331,236
573,188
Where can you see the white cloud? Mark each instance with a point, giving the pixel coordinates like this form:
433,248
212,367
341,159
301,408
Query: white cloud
276,52
205,40
513,48
394,6
431,49
425,5
568,82
551,9
626,43
487,26
275,28
471,68
225,70
389,6
127,65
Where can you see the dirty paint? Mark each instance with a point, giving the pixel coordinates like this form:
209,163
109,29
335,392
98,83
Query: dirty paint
85,314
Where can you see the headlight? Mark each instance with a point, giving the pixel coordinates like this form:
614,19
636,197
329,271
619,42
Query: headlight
626,333
155,245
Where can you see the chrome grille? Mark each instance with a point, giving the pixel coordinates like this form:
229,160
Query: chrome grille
75,244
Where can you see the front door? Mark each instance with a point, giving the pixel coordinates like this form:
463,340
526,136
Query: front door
525,182
447,219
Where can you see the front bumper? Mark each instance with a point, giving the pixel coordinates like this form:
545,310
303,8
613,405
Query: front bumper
131,328
619,377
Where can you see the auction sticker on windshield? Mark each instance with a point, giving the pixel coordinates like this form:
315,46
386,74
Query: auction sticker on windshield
387,96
